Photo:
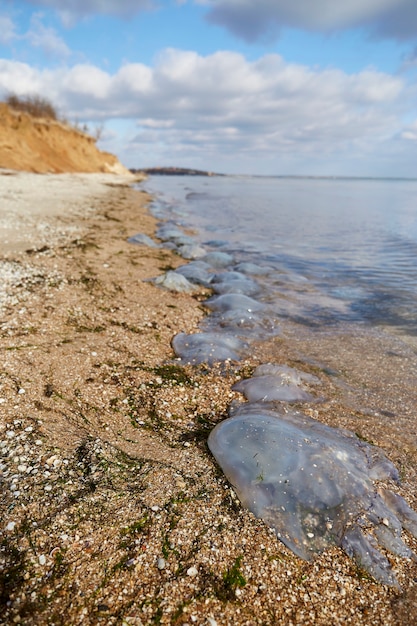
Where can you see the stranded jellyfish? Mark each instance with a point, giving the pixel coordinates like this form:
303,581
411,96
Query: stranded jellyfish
317,486
208,347
280,383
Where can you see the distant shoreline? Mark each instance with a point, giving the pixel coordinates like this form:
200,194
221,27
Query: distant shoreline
184,171
174,171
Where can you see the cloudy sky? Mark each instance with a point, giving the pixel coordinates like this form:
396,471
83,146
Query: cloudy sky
316,87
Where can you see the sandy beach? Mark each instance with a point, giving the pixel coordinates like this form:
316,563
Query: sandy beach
113,509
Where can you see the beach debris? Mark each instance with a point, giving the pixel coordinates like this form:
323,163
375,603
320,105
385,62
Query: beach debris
270,383
317,486
208,347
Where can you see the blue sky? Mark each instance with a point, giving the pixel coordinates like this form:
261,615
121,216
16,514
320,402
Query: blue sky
313,87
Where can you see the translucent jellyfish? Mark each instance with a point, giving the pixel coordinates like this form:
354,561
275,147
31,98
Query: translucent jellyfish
183,240
242,314
216,243
234,282
143,240
208,347
191,251
218,259
281,383
252,268
174,282
232,302
196,272
169,232
316,486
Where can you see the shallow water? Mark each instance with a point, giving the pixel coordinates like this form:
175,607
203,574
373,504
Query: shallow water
338,249
326,267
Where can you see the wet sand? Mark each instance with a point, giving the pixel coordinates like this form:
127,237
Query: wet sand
113,510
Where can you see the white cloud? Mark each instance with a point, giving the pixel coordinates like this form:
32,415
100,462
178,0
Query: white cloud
46,39
410,132
7,30
222,108
71,10
22,79
85,82
253,20
38,36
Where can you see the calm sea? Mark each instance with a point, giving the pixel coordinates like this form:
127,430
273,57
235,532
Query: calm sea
339,250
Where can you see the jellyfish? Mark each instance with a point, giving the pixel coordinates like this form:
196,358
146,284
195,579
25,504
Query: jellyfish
316,486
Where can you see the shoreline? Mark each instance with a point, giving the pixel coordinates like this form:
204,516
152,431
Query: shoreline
115,511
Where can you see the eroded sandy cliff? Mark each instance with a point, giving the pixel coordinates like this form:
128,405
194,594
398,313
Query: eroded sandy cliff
41,145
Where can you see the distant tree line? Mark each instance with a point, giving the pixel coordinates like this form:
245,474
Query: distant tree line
175,171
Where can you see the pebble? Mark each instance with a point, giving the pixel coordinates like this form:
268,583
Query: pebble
42,559
192,571
161,563
53,460
11,526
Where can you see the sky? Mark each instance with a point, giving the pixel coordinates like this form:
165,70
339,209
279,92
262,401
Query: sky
270,87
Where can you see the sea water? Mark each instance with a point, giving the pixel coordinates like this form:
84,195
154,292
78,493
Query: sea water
337,275
323,272
337,250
